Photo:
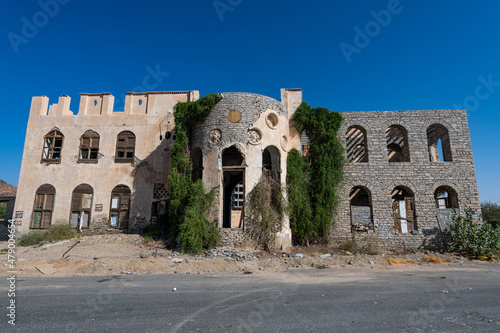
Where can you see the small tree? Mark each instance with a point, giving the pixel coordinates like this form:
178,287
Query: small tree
491,212
3,208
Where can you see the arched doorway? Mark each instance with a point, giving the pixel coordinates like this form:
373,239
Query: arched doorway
233,185
403,209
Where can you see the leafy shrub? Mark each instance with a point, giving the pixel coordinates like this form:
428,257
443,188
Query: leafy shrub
267,209
54,233
348,245
196,231
480,240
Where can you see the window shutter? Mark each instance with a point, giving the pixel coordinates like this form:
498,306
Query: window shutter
95,143
37,219
46,219
49,202
125,201
39,201
123,219
77,201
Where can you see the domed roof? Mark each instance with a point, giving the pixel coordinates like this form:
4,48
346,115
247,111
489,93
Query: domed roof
232,117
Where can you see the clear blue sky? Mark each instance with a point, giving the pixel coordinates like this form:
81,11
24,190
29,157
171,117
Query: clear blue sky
424,55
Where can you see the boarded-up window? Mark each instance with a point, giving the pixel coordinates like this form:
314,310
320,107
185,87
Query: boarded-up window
89,147
361,209
356,144
81,206
125,147
43,207
52,147
120,207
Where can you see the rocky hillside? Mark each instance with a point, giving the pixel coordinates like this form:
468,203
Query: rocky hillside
7,190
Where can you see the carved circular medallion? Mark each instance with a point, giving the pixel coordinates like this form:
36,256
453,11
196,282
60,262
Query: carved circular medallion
254,136
214,136
234,116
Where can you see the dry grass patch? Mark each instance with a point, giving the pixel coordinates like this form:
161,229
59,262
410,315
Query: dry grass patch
434,259
399,261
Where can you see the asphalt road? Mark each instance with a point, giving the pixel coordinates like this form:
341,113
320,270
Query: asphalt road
341,300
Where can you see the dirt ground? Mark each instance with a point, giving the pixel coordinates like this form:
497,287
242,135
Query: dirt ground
128,254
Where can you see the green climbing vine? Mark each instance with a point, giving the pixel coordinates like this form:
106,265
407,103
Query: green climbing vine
189,202
312,189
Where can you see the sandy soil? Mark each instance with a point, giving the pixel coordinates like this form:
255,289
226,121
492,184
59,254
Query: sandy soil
128,254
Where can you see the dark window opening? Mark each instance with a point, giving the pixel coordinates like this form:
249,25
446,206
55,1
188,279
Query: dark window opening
446,197
271,163
197,161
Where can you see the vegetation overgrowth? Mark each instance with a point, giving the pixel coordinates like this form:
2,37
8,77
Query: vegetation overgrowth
317,184
54,233
479,240
189,202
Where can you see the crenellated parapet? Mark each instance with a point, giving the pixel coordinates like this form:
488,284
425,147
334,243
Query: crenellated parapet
144,103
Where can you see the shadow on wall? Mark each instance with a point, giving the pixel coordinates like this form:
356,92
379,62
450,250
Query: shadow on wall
151,186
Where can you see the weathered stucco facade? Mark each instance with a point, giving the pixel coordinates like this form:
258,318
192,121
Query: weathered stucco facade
407,169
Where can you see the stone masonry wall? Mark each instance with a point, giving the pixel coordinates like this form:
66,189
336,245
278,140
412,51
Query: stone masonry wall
420,175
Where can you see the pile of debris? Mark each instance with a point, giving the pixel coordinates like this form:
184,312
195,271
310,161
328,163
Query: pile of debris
229,253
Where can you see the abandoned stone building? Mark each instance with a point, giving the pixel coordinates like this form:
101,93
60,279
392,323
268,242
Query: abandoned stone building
102,170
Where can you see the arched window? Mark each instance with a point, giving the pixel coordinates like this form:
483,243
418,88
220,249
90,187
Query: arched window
445,197
89,147
397,144
197,160
403,210
356,144
271,163
120,207
125,147
52,147
438,141
361,209
43,207
81,206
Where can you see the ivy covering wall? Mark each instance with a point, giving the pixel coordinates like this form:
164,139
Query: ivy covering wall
313,189
189,202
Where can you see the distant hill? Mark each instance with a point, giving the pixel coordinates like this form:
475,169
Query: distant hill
7,190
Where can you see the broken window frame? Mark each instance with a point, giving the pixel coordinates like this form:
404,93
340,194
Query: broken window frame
79,194
50,150
125,146
88,151
356,144
450,198
440,133
43,207
397,140
123,197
